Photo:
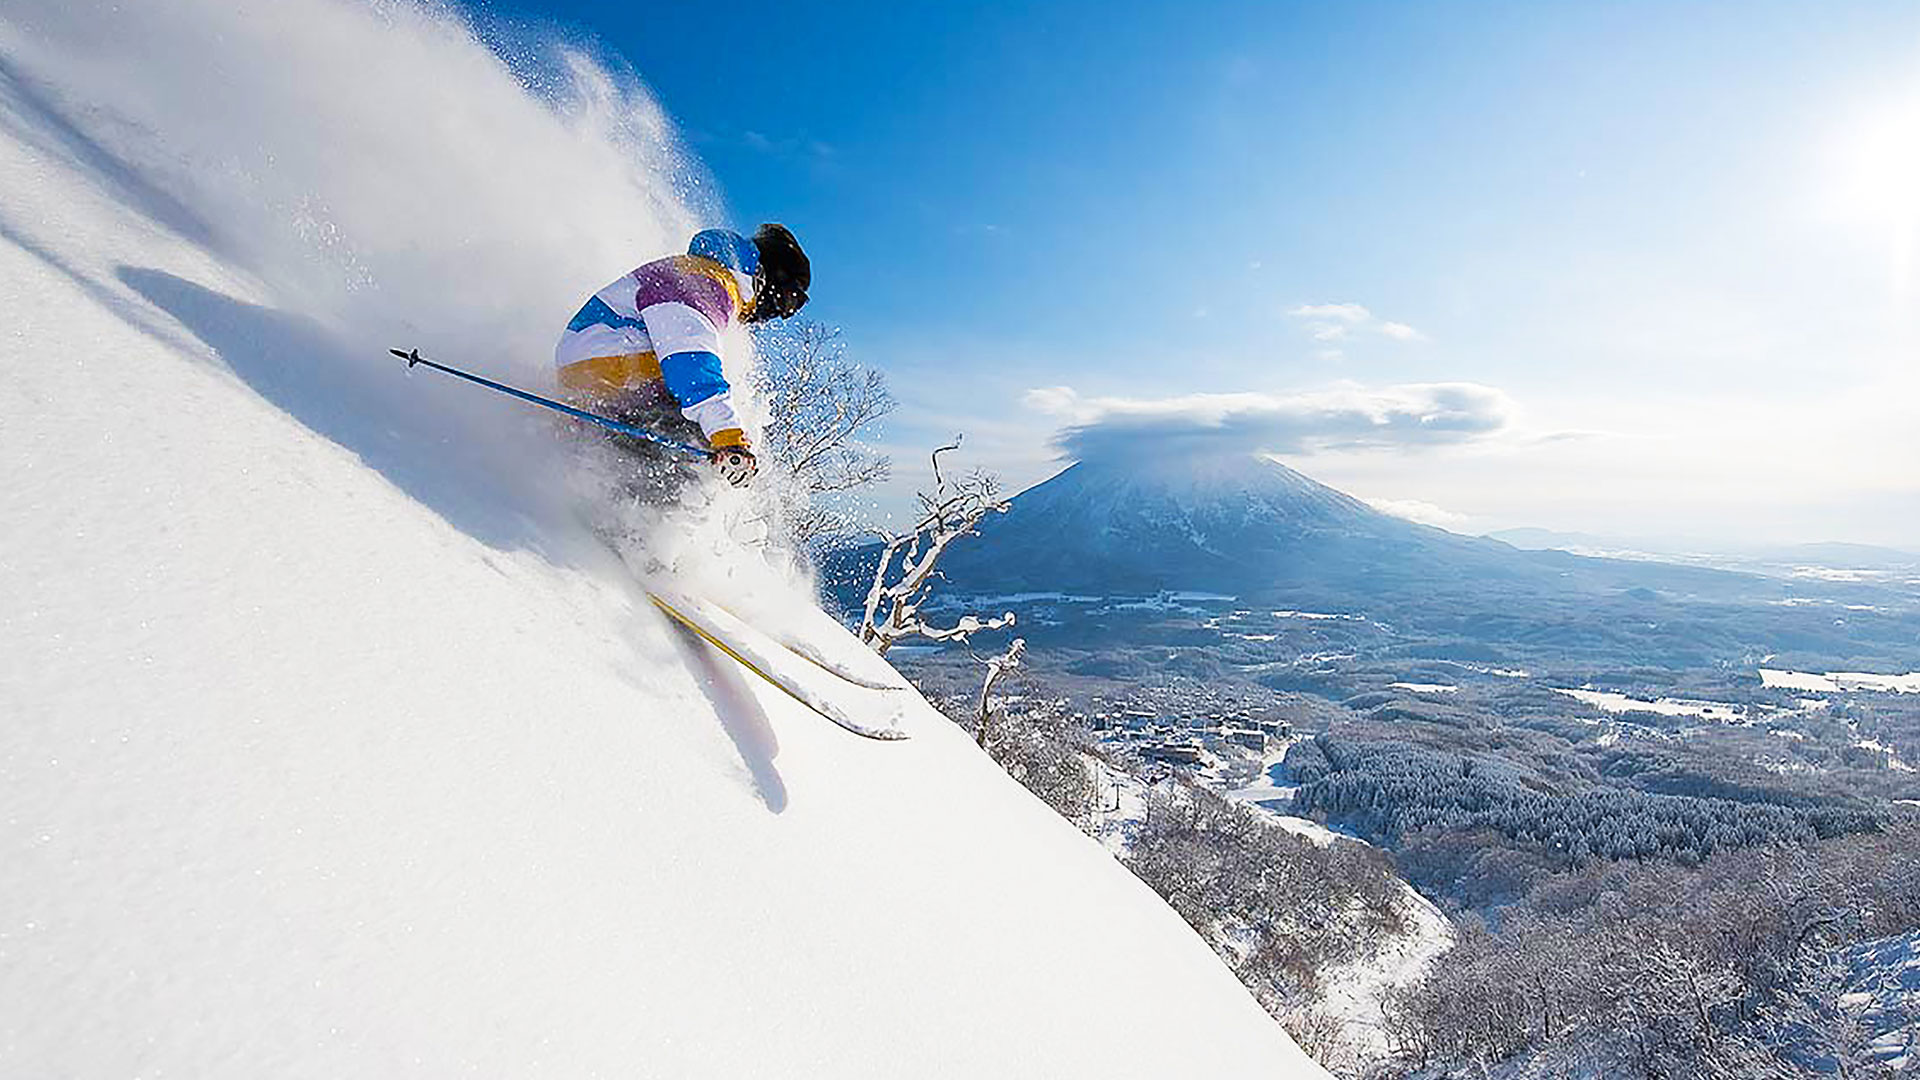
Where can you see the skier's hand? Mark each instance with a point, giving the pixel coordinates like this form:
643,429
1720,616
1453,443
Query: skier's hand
736,463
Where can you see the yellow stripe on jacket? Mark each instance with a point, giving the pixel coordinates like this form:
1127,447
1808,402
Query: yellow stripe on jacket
605,376
602,375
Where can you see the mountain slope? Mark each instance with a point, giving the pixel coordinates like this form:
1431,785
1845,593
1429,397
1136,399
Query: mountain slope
1233,522
337,745
1252,529
1248,525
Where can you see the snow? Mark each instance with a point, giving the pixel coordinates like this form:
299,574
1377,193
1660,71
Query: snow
1426,687
1114,821
1177,600
1308,829
1841,682
1828,573
337,743
1878,747
1355,993
1267,787
1482,669
1035,597
1621,703
1884,990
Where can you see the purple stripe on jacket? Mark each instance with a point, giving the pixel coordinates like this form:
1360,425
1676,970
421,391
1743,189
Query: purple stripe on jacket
667,282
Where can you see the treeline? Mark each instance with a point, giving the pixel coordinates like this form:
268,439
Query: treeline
1391,791
1278,908
1738,969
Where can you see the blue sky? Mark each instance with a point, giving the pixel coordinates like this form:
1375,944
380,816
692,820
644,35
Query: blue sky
1658,258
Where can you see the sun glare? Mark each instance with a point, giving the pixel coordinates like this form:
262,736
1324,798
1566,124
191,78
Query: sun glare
1878,180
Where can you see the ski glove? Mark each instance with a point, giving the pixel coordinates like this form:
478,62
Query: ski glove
736,463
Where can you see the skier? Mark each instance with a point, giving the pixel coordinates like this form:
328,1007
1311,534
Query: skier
646,348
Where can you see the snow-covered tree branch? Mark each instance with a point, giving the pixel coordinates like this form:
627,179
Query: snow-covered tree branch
895,599
996,666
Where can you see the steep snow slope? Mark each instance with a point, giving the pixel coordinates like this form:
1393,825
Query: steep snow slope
334,744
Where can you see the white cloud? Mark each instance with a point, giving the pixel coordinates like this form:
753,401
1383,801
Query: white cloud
1349,417
1055,400
1338,322
1346,313
1416,510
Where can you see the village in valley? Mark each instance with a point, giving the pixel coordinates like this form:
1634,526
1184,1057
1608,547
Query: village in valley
1197,734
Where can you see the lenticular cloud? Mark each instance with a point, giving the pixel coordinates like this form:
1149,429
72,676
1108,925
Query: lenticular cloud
1348,418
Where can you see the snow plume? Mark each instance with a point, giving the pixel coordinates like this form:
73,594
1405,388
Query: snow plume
339,177
374,166
1346,418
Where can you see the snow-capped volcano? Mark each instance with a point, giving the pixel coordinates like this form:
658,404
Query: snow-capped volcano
1229,507
1227,521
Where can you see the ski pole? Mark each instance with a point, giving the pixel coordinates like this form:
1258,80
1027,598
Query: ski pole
413,357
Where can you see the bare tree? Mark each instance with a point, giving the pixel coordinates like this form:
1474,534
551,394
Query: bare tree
996,666
952,510
1324,1039
818,402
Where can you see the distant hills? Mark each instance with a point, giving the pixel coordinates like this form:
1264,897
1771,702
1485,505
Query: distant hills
1250,528
1765,559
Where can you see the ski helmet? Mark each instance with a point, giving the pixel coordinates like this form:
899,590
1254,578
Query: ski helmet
780,287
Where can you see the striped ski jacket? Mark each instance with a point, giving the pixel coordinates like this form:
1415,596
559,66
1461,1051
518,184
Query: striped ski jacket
657,330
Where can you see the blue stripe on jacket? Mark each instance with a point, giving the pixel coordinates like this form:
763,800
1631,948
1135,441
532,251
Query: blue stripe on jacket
597,313
692,377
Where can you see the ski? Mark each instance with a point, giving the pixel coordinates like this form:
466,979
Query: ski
806,650
799,646
765,657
